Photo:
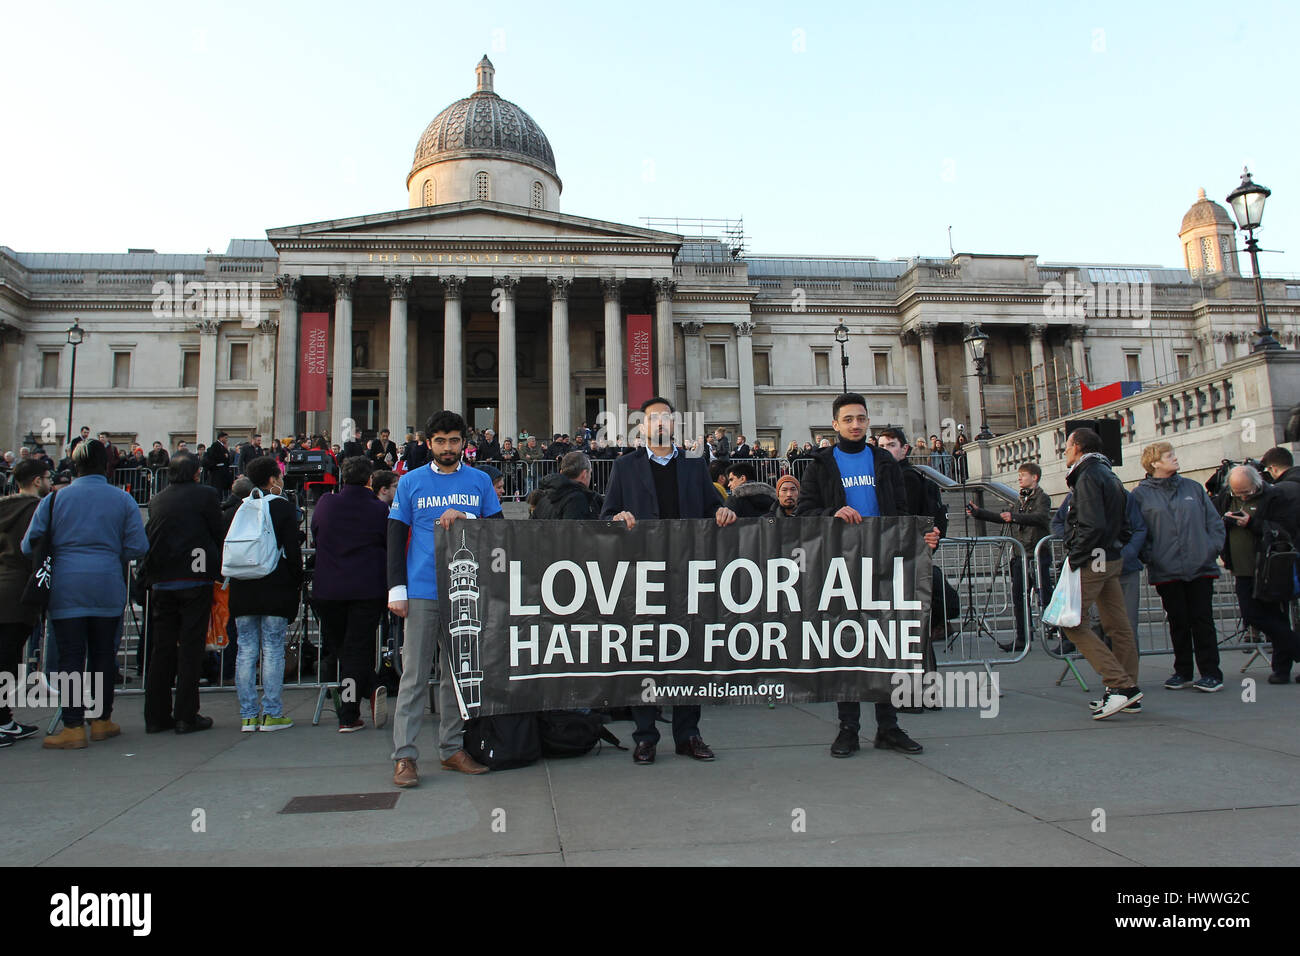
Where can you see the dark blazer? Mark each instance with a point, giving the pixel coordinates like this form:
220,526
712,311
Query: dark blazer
182,517
350,530
216,459
632,488
821,491
277,593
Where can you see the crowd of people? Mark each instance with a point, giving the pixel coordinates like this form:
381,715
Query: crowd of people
223,534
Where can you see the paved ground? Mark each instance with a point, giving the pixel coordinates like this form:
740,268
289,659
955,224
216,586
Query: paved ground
1197,779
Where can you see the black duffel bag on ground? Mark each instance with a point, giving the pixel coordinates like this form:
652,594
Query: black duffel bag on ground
505,741
571,733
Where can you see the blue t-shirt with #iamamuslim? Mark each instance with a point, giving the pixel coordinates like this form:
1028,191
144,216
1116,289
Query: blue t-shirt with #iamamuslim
858,471
422,496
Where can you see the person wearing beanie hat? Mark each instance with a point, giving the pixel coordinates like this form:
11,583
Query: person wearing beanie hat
498,480
787,497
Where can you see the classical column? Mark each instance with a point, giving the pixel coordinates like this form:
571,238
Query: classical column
1243,344
1078,358
691,330
286,357
561,386
341,408
745,350
507,371
398,288
929,378
1221,340
415,413
266,377
1038,371
972,386
205,423
611,288
453,350
912,369
666,379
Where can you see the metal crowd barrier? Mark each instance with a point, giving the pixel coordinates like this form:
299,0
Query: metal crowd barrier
1152,630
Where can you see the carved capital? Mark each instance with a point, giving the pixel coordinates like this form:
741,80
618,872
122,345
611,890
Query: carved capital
208,326
453,287
267,326
289,286
664,289
692,328
9,331
744,328
399,287
611,289
909,337
1036,330
344,286
1075,333
508,284
1220,336
559,286
926,330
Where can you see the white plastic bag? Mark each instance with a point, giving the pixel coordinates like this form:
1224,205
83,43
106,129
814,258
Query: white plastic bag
1066,607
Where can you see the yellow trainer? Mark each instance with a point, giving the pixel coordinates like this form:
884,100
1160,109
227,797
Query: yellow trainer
69,738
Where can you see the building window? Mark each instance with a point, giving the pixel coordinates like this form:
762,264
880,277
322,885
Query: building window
484,186
1207,253
121,369
762,368
428,192
238,361
189,369
882,367
1133,366
49,370
1184,363
822,368
539,196
717,361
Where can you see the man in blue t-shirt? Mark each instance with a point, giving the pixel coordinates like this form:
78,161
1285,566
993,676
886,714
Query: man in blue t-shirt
433,497
853,480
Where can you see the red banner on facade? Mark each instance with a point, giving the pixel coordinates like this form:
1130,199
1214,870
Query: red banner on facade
313,365
640,361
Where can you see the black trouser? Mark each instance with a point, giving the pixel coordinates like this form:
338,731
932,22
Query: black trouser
686,724
13,638
850,712
1039,579
179,632
86,644
1189,606
348,633
1271,618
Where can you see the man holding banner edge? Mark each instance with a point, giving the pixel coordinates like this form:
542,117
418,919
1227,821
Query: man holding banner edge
850,481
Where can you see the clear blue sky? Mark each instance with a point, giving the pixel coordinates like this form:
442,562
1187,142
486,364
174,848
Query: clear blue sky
1078,132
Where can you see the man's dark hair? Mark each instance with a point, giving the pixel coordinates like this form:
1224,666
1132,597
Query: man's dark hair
255,436
85,428
717,469
744,469
657,400
1086,440
445,421
574,464
1033,469
355,470
1279,457
90,458
27,471
848,398
260,471
894,433
384,431
221,435
182,467
379,480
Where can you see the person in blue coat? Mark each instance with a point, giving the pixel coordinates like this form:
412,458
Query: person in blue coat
97,531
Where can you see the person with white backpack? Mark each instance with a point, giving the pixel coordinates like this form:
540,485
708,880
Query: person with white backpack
263,561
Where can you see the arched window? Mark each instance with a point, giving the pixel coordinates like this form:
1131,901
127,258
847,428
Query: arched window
428,192
539,196
484,186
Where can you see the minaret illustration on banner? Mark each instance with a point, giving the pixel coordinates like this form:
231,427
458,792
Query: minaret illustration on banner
465,625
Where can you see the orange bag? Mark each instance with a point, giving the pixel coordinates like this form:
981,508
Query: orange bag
220,617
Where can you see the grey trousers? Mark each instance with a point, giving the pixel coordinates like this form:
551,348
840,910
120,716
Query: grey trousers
423,625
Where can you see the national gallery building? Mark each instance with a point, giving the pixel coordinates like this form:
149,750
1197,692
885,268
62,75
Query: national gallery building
482,296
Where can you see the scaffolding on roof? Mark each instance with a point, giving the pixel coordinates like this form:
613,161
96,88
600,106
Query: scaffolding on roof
730,232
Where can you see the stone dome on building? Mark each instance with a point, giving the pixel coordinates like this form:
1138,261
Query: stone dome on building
1208,236
484,147
1204,213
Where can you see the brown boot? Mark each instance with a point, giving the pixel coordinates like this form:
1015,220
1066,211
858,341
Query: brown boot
69,738
406,774
103,729
463,763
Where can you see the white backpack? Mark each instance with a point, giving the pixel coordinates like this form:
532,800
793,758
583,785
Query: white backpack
251,550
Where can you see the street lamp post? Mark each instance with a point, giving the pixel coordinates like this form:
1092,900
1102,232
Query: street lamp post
76,335
1247,202
842,336
977,341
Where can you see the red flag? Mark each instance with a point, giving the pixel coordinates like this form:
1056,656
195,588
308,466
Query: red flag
313,363
1092,397
640,361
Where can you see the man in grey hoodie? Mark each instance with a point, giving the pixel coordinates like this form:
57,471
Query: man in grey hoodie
1184,537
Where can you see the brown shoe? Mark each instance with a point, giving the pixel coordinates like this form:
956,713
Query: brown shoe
463,763
69,738
406,774
103,729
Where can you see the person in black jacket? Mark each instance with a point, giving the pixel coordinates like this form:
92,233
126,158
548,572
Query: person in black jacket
1096,531
1280,465
216,462
658,483
263,609
185,534
567,494
382,452
748,497
852,480
158,457
31,483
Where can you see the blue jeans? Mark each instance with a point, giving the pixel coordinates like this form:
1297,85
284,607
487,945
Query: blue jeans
260,634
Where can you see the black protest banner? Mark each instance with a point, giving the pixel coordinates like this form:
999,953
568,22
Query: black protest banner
544,615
